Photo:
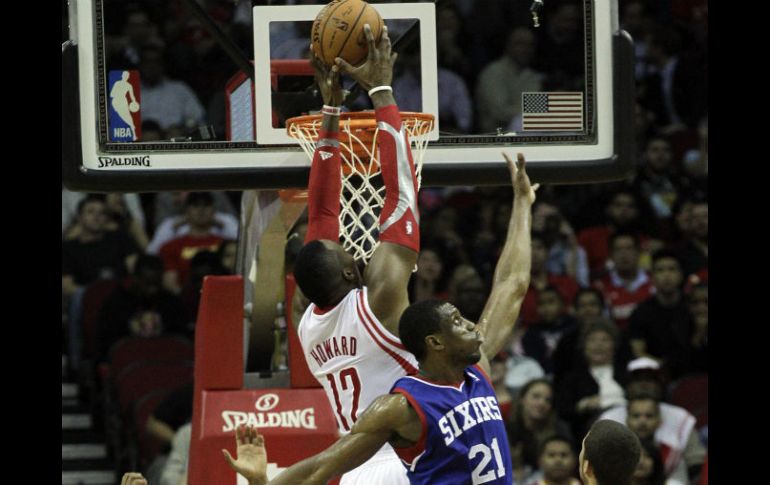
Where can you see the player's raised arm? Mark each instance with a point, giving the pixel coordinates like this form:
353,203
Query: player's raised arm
387,274
511,278
323,205
388,417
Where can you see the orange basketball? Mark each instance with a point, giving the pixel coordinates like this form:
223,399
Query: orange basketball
338,31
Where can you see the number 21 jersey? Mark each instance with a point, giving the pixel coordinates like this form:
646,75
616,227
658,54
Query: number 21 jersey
463,440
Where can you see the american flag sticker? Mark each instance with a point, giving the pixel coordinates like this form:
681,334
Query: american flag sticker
556,111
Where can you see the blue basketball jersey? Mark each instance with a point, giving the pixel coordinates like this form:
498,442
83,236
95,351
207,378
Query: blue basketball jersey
463,439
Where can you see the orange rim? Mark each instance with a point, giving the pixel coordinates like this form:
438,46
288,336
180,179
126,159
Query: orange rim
361,124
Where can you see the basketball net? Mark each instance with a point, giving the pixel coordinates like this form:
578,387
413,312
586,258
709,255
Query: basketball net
363,192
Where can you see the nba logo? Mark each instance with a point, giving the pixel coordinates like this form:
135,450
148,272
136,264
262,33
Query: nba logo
125,120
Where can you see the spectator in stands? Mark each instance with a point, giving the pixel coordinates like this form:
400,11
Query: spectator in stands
695,252
227,253
565,256
204,263
123,51
597,384
660,327
623,214
120,218
677,429
175,471
649,470
658,182
644,419
169,208
557,463
141,307
467,291
455,105
500,84
676,90
451,45
698,302
94,253
625,285
541,278
171,103
198,232
428,282
164,423
635,19
560,47
534,419
497,367
542,337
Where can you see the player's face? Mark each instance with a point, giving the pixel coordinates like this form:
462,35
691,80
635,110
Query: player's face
643,418
460,336
557,461
346,261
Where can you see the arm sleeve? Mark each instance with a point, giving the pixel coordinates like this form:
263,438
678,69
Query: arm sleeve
323,205
399,219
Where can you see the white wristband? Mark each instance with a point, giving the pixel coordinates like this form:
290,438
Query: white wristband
331,110
380,88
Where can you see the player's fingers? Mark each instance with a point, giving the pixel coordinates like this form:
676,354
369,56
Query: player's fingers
393,58
385,41
535,187
509,162
520,161
260,440
343,65
238,435
228,458
370,40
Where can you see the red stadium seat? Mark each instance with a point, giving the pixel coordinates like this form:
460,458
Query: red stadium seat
692,393
142,378
131,350
148,446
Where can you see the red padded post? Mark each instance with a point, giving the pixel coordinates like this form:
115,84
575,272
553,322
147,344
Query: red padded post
218,358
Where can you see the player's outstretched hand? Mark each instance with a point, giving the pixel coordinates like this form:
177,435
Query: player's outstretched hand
519,178
133,478
251,453
378,68
328,80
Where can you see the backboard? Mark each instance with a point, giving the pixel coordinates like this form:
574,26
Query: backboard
561,93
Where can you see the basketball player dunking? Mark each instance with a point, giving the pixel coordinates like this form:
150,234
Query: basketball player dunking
443,422
350,331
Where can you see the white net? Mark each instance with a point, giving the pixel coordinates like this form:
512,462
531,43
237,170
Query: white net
363,191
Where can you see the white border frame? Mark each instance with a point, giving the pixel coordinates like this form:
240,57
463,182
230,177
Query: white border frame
425,13
605,25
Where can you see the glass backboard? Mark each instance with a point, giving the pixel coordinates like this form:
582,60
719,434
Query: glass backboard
194,95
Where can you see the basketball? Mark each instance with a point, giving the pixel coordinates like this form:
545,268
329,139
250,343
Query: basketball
133,107
338,31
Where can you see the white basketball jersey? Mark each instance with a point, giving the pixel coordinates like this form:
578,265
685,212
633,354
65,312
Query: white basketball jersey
352,355
356,359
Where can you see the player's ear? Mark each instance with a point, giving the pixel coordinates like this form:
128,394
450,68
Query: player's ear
434,342
588,470
349,274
